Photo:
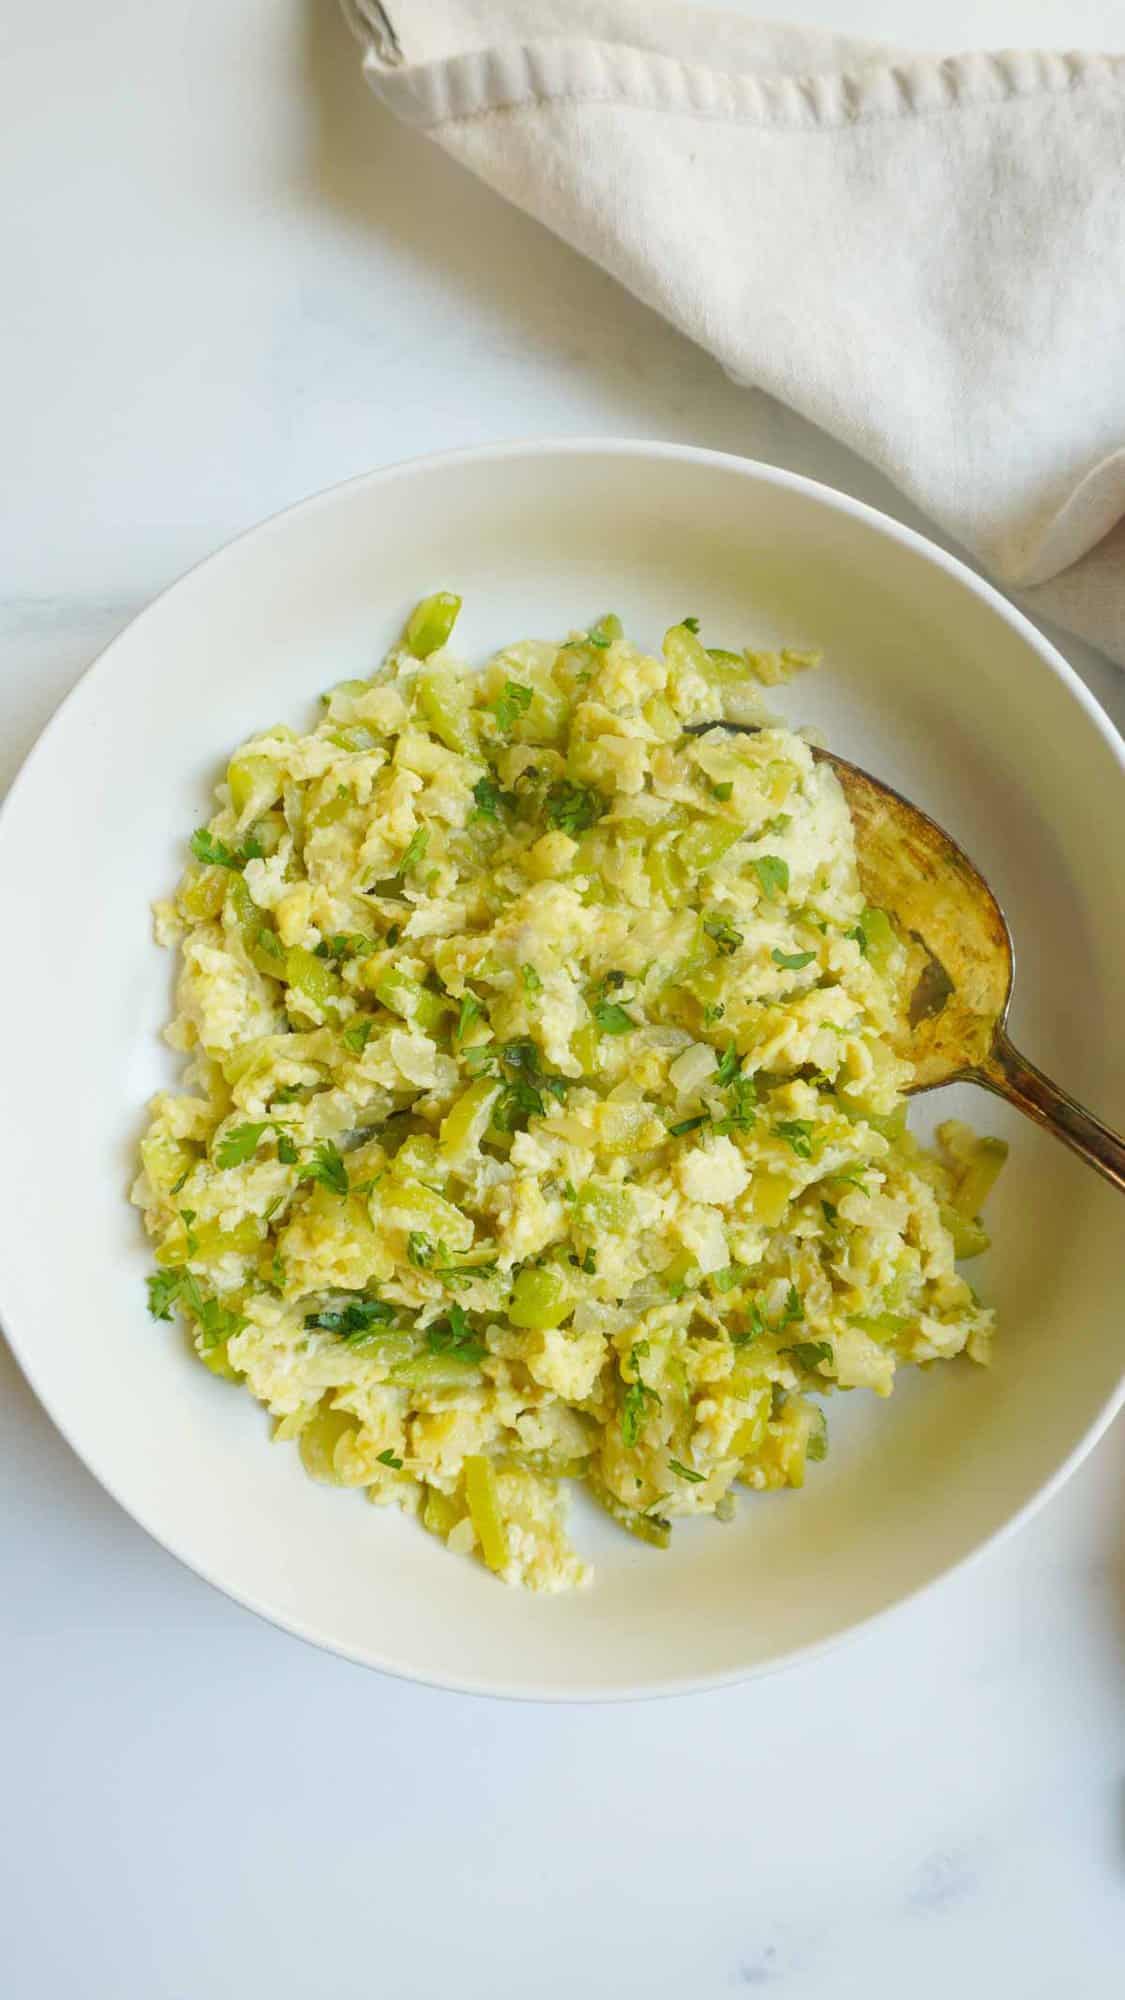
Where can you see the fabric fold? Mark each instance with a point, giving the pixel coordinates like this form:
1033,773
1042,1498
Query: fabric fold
925,255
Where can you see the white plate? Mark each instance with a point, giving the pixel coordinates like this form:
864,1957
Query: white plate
931,680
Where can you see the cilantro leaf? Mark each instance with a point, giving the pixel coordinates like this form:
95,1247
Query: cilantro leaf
830,1213
793,961
691,624
724,934
531,980
286,1150
798,1132
685,1472
344,945
388,1458
454,1336
358,1033
327,1167
421,1249
471,1010
239,1144
713,1013
216,1322
612,1019
607,629
164,1289
808,1354
414,850
489,799
573,808
858,936
727,1068
637,1397
754,1328
360,1316
792,1311
514,701
688,1125
213,852
773,875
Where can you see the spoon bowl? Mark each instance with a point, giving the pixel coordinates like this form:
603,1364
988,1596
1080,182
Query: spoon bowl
961,961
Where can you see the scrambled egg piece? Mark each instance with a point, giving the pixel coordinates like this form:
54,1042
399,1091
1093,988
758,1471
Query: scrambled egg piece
542,1121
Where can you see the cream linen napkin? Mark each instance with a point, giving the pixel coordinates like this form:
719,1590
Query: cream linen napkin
924,255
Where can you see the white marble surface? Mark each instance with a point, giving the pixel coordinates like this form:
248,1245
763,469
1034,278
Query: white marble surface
229,281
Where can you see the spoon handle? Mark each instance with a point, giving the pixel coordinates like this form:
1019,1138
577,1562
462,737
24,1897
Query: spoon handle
1010,1075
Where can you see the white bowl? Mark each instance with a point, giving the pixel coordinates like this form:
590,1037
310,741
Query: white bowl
931,680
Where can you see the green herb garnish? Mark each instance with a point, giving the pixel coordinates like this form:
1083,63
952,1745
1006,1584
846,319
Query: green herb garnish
798,1133
772,873
612,1019
327,1167
573,808
793,961
388,1458
239,1144
685,1472
531,980
358,1033
414,850
724,934
515,701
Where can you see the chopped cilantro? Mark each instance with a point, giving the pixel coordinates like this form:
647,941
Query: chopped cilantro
772,873
514,701
713,1013
685,1472
573,808
177,1185
471,1010
858,936
691,624
743,1094
605,631
239,1144
286,1150
357,1034
531,980
792,1311
570,1192
727,1068
346,944
590,1262
187,1217
420,1249
612,1019
798,1133
164,1289
489,799
817,1447
327,1167
359,1316
808,1354
830,1213
726,1280
215,853
754,1328
688,1125
414,850
724,934
455,1336
388,1458
793,961
638,1395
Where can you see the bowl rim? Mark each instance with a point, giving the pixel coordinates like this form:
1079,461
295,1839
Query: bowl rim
497,453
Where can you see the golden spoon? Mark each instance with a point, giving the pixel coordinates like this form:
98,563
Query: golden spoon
954,1030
